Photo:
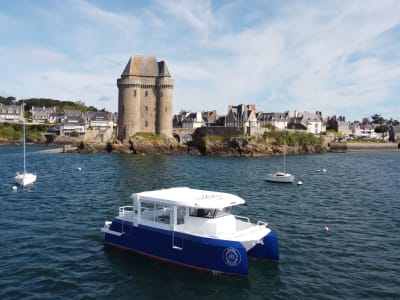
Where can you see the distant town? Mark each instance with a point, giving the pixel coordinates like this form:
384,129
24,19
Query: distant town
101,125
145,102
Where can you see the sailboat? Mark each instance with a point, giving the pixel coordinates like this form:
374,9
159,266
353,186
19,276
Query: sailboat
25,178
281,176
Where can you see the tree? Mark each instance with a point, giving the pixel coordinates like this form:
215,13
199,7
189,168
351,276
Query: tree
75,133
382,129
377,119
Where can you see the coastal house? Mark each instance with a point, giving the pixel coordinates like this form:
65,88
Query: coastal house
394,133
73,125
276,119
241,116
99,120
363,130
42,115
11,113
193,120
210,117
99,126
178,118
344,127
308,121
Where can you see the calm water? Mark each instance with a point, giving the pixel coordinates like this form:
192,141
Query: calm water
51,245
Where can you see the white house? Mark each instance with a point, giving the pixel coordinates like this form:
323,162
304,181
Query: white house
11,113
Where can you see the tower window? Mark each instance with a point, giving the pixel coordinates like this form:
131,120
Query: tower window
146,123
146,93
146,108
134,93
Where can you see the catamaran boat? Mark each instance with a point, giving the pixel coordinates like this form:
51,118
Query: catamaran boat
193,228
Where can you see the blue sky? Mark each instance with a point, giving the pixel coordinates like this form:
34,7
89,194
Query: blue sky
337,57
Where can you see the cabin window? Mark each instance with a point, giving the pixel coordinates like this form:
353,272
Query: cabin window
180,214
158,213
162,214
201,213
223,212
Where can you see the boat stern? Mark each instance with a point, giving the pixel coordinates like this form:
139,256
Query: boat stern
268,249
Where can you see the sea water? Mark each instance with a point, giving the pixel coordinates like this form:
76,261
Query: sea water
338,231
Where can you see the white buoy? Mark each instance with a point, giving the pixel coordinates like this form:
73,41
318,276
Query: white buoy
299,182
323,170
79,169
14,187
326,228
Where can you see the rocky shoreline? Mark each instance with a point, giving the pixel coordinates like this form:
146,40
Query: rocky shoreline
235,147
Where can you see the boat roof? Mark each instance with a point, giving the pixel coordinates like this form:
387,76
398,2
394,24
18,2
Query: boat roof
184,196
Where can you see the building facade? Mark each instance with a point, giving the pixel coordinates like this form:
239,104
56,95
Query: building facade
145,98
11,113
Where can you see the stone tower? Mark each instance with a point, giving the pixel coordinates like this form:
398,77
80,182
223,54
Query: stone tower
145,98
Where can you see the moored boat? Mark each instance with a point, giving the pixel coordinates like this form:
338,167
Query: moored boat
193,228
280,177
25,178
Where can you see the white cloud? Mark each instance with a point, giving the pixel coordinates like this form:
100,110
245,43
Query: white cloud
336,57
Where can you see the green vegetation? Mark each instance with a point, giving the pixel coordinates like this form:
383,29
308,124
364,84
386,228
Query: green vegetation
10,132
148,136
46,102
75,133
365,140
292,138
13,132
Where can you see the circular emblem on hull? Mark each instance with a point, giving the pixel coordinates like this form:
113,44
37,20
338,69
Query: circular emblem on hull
231,256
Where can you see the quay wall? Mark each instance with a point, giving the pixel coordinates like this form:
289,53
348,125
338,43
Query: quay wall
368,146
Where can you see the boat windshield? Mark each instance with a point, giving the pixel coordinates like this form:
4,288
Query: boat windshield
210,213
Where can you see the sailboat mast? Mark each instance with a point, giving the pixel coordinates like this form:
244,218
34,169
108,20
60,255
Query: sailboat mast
23,142
284,149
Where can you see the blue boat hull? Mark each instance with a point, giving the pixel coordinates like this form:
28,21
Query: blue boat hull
191,251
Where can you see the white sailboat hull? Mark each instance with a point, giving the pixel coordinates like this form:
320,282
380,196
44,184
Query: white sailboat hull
280,177
25,179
